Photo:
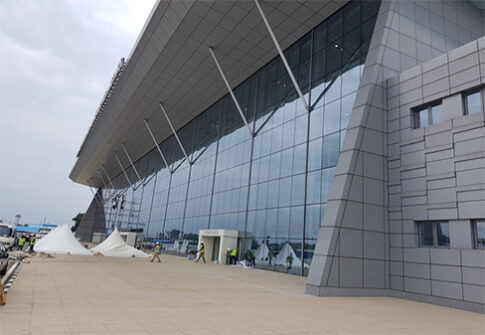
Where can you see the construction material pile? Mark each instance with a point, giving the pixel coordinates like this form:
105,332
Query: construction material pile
115,246
61,241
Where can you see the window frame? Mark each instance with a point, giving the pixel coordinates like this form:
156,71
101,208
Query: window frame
475,234
415,113
435,234
465,94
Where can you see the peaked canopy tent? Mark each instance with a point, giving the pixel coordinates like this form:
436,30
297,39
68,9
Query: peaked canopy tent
262,253
61,241
281,258
115,246
47,237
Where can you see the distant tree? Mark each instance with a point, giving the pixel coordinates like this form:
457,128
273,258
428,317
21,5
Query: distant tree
77,220
174,234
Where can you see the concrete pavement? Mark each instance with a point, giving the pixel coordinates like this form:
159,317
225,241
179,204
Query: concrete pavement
104,295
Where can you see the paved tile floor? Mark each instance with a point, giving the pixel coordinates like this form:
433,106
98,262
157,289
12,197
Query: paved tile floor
101,295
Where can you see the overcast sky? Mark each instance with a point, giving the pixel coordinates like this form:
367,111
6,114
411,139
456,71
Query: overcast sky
56,60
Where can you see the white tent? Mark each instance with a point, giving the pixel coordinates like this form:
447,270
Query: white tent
47,237
61,241
262,253
179,245
280,259
115,246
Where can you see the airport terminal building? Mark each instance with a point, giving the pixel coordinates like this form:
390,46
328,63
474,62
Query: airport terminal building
347,134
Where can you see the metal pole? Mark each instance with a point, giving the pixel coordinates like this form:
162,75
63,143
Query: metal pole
231,92
175,133
158,147
101,177
122,169
131,162
282,55
107,175
94,195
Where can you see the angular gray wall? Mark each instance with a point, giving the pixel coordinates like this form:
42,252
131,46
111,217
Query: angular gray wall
352,256
438,173
93,221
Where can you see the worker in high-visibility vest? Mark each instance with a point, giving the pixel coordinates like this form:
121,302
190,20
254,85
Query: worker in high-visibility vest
32,243
233,256
201,253
156,254
21,244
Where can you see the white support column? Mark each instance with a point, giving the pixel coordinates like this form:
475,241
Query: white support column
122,169
131,162
231,92
282,55
175,133
158,147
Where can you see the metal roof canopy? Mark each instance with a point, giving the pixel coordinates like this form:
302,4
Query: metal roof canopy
172,63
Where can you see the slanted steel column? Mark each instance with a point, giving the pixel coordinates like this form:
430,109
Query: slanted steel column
231,92
101,177
96,197
107,175
282,55
156,144
122,169
175,133
131,162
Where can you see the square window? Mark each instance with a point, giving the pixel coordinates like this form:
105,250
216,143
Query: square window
473,103
434,234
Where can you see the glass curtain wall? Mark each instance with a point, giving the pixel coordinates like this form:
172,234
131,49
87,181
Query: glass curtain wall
271,187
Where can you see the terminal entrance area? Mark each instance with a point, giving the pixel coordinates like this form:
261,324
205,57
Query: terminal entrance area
217,242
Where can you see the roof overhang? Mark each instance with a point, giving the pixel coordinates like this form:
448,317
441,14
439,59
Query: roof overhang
171,62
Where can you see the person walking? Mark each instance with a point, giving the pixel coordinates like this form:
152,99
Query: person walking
156,254
201,253
21,243
32,243
138,244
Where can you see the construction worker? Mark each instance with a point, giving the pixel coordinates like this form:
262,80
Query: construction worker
156,254
233,256
252,257
270,257
32,243
289,260
138,244
21,243
201,253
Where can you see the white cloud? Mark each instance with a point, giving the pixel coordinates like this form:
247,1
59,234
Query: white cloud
57,60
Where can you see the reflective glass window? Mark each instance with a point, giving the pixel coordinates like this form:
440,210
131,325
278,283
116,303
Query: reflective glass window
443,234
479,227
473,102
426,232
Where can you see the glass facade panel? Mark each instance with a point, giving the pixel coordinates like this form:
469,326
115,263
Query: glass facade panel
480,234
272,187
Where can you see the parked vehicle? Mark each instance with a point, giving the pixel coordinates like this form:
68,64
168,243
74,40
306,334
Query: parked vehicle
7,235
3,259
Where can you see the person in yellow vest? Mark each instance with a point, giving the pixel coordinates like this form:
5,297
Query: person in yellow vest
156,254
21,244
233,256
201,253
32,243
138,245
